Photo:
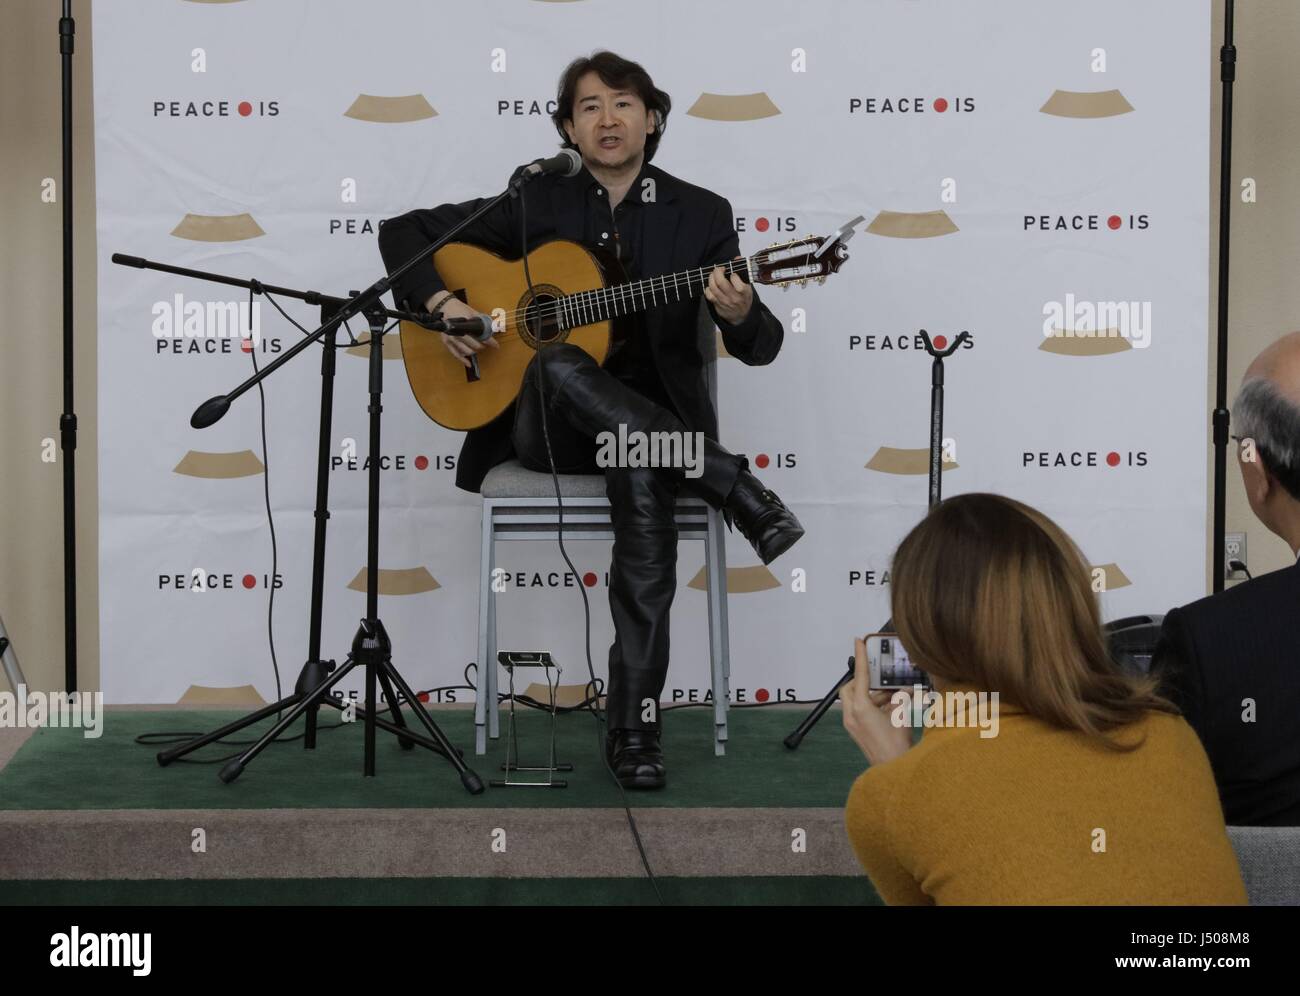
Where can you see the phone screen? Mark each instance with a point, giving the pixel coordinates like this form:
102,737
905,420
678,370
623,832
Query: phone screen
891,667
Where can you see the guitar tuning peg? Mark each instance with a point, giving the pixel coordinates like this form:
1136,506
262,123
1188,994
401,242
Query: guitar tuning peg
803,282
821,279
785,287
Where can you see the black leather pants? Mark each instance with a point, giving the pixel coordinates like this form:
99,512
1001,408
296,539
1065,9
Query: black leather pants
582,400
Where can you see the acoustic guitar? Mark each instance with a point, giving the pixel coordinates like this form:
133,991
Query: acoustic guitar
580,296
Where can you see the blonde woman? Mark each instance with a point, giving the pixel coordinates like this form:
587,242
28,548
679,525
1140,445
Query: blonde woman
1093,790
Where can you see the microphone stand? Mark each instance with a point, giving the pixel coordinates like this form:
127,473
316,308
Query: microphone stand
68,418
371,646
1220,416
936,450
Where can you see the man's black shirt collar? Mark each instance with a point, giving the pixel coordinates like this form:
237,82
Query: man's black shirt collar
584,180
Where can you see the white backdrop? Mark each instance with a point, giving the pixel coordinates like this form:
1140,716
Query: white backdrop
1066,146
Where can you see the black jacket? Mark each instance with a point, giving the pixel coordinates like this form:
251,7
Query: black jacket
1243,643
684,227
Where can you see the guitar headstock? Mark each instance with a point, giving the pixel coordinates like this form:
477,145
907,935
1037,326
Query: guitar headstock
811,257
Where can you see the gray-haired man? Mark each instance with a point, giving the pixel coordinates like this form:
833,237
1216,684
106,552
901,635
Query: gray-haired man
1232,661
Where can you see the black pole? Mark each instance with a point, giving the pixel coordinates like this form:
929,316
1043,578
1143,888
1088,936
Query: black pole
936,427
936,409
68,420
935,496
1220,416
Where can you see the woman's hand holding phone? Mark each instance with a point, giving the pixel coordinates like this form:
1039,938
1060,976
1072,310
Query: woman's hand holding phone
867,713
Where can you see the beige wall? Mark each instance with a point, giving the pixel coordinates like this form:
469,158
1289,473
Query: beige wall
1264,293
1265,299
31,361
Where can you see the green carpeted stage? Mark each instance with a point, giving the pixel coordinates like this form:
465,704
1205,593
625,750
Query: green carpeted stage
98,821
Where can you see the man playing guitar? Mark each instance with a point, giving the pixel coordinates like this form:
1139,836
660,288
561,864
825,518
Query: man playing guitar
654,381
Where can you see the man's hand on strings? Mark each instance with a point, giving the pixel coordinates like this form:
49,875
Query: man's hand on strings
730,296
462,346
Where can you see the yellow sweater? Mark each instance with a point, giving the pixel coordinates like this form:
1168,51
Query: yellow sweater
1023,817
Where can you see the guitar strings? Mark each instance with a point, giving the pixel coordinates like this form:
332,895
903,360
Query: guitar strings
556,308
613,295
574,304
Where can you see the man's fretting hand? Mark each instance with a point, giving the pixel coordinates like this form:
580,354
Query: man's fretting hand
731,297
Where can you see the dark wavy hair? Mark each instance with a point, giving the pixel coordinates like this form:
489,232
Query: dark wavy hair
620,73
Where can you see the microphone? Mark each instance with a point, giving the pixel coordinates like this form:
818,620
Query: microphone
566,162
479,327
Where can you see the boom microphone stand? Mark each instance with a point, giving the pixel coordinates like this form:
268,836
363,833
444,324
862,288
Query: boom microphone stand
371,646
936,470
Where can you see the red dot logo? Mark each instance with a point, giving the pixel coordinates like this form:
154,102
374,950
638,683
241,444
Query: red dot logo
1114,221
589,579
941,342
246,344
761,224
761,695
245,108
249,581
761,460
1112,458
941,105
423,696
422,462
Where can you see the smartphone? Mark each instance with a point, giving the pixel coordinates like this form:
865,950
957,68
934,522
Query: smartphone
890,666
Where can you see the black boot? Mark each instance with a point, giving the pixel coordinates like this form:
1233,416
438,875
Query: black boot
762,518
637,758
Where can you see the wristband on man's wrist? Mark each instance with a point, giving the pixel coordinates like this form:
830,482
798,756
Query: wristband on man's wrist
439,302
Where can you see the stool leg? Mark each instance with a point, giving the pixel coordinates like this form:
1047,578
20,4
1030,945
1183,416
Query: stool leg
10,660
715,569
485,599
493,704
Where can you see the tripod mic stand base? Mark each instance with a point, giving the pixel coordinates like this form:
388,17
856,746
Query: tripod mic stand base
231,771
796,738
372,643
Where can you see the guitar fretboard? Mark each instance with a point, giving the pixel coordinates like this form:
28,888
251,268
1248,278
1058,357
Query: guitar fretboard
605,303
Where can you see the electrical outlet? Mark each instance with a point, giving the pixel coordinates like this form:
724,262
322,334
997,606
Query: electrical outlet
1234,548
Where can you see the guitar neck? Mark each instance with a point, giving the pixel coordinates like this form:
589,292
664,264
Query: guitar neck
605,303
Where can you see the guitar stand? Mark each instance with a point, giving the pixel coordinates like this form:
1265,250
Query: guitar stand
371,647
936,448
510,661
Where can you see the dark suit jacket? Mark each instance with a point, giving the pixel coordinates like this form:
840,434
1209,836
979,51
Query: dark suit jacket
684,227
1243,643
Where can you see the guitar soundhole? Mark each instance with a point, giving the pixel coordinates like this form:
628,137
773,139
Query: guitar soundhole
541,319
